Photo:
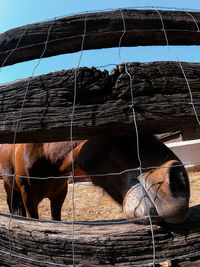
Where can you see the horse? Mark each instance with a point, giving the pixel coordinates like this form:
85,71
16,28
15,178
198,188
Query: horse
143,175
37,160
112,162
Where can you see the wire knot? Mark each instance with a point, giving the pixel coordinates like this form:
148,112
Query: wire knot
131,106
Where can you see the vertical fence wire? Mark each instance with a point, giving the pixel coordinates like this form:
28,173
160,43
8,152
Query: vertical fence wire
15,135
180,64
137,134
196,24
9,55
71,133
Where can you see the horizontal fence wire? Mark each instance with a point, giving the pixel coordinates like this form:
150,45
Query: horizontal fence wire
96,34
70,176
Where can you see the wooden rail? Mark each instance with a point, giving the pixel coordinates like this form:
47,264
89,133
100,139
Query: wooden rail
103,30
104,243
161,99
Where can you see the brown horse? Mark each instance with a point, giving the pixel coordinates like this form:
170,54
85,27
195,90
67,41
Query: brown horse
163,191
37,160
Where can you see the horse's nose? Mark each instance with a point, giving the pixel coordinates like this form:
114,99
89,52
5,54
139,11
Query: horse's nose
168,188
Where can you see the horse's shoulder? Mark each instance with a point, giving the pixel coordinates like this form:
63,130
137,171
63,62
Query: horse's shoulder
58,151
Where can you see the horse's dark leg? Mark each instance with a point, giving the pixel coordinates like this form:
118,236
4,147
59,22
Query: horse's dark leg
31,208
17,206
31,204
56,204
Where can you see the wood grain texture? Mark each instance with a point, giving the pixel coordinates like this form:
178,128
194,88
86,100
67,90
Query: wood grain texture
104,243
161,100
103,30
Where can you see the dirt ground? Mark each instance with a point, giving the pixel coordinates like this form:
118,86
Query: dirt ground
92,203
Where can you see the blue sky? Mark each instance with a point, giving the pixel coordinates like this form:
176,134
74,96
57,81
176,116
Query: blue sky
15,13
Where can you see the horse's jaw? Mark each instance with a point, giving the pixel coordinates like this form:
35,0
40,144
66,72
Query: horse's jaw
173,210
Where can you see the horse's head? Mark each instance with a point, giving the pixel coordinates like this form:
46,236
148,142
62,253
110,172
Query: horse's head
164,191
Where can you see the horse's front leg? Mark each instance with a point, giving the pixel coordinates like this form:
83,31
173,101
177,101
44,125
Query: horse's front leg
56,204
30,204
14,196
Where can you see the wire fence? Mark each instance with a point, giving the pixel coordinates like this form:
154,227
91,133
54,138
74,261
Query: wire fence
72,176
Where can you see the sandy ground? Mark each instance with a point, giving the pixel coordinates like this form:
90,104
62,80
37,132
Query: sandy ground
92,203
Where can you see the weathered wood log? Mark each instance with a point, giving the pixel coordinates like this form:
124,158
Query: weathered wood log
161,100
103,30
39,243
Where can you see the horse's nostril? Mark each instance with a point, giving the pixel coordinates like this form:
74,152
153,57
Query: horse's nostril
179,182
